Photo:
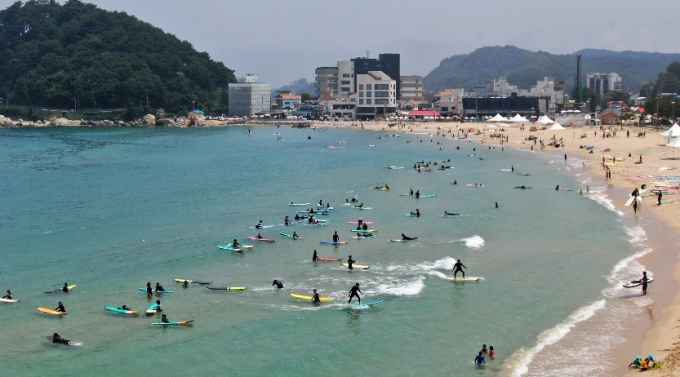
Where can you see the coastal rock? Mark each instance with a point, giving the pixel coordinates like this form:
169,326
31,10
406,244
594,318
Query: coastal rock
5,122
63,122
165,122
149,120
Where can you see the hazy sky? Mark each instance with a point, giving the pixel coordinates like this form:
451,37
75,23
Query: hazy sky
281,41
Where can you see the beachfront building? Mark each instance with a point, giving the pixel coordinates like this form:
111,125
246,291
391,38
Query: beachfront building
603,83
449,103
340,81
326,82
480,107
287,100
411,88
548,87
376,96
611,115
342,109
496,88
248,97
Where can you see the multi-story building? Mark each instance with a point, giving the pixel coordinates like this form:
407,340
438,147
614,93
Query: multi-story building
478,107
376,95
386,63
603,83
411,88
496,88
326,81
450,102
345,78
249,97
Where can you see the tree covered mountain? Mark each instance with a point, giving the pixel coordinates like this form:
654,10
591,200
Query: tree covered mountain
523,67
56,55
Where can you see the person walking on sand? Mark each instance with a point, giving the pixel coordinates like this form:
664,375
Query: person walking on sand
659,198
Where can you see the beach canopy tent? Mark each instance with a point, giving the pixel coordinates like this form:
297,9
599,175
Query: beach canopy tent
498,118
674,144
675,130
545,120
518,119
556,126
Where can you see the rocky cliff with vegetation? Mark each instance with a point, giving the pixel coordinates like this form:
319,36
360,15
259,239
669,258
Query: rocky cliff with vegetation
78,55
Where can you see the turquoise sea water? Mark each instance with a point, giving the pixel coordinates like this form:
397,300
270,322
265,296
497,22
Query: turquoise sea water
110,209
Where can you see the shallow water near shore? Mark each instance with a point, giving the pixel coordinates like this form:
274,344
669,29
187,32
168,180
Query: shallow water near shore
110,209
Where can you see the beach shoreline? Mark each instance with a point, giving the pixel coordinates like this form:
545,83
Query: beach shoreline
657,335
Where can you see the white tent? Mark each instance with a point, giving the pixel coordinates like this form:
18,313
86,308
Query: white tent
518,119
674,144
556,126
498,118
545,120
675,130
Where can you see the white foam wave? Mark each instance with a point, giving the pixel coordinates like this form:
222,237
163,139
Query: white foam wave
474,242
409,288
637,234
518,364
604,200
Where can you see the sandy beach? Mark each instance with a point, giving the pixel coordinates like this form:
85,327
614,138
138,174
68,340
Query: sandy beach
619,153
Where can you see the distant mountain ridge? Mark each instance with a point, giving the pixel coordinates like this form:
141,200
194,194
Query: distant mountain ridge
524,67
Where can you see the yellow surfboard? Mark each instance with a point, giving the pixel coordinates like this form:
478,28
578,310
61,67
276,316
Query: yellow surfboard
310,298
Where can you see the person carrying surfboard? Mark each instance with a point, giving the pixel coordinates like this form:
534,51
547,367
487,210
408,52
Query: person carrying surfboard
458,267
8,295
61,308
644,282
354,291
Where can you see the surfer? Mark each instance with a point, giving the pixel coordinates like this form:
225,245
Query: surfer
297,217
512,168
405,238
286,221
360,205
360,221
450,214
235,244
186,284
158,307
320,202
485,351
278,284
336,237
65,288
58,339
159,287
164,319
455,182
61,308
259,235
364,227
644,282
354,292
316,297
295,235
417,212
259,225
557,187
417,194
124,307
315,256
479,360
458,267
8,295
411,193
149,290
496,204
350,262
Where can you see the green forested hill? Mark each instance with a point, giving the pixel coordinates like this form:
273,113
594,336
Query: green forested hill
523,67
52,55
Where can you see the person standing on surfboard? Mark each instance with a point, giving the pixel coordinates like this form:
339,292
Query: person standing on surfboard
458,267
354,292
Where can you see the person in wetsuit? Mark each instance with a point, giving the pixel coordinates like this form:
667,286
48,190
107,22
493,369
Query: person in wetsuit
259,235
417,194
316,296
8,295
286,221
354,292
186,284
295,235
645,281
278,284
65,288
458,267
297,217
350,262
159,287
61,308
405,238
149,290
314,256
360,222
158,306
58,339
336,237
259,225
235,244
364,227
164,319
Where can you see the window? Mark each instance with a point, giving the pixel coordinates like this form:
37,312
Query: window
368,101
381,87
381,94
344,82
344,89
361,94
368,94
380,101
361,86
361,101
444,108
368,86
345,75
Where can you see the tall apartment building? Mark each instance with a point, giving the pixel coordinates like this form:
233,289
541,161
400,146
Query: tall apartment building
387,63
248,96
603,83
377,95
411,88
345,78
326,81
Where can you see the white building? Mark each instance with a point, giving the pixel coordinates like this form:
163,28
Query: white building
345,78
546,88
249,97
496,88
411,88
450,102
603,83
376,95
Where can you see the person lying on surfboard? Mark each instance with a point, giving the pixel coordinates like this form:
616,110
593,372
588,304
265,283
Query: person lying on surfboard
450,214
58,339
405,238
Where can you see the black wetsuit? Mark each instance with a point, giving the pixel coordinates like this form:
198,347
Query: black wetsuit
149,290
458,267
58,339
278,284
65,288
315,256
61,308
317,298
336,238
350,262
353,293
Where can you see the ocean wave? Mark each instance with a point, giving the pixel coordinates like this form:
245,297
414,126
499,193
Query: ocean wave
518,364
408,288
474,242
637,234
604,200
